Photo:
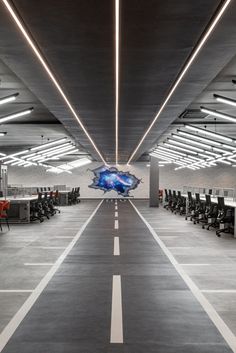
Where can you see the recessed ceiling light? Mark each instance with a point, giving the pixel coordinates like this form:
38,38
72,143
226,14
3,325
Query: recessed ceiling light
182,73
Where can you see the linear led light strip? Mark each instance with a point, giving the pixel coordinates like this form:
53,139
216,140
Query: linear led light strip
225,100
218,114
9,98
49,72
199,138
210,133
184,70
117,43
191,160
16,115
172,141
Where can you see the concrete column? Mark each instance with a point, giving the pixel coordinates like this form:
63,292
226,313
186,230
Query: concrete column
154,183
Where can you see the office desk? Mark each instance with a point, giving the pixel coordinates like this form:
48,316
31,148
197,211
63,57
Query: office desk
228,203
63,198
19,211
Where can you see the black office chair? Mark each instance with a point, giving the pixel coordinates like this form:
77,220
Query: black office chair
190,206
225,218
198,210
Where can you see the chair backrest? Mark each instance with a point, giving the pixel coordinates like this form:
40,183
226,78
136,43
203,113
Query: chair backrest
189,196
208,200
197,195
221,202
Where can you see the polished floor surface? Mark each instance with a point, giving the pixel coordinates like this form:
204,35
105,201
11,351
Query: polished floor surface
107,287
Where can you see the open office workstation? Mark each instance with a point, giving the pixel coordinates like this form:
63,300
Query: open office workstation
118,176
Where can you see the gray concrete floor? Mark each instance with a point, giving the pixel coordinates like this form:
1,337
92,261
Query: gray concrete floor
208,260
73,313
31,244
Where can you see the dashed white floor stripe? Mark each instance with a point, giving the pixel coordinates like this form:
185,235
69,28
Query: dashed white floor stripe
116,224
9,330
116,207
16,290
116,246
116,312
225,331
116,214
38,264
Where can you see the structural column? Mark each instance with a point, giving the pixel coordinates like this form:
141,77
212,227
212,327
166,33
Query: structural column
154,183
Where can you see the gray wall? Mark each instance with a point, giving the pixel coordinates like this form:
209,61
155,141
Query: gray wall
221,176
37,176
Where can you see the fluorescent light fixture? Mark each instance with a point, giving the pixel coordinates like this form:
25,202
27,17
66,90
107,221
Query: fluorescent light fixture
209,133
185,145
188,140
212,154
9,98
45,145
2,154
225,100
223,161
59,150
197,137
16,115
43,62
161,157
218,114
61,155
117,56
2,134
221,151
185,68
55,148
178,148
169,150
170,153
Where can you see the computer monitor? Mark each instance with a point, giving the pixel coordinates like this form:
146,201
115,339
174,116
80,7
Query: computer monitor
210,192
226,193
221,202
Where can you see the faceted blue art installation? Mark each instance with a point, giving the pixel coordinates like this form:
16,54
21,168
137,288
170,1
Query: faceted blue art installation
108,179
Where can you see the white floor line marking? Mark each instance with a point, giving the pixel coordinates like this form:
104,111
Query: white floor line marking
16,290
116,224
218,290
9,330
116,214
209,309
38,264
116,246
195,264
46,247
116,207
63,237
116,311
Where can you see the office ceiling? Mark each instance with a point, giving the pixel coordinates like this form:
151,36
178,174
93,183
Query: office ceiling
77,40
